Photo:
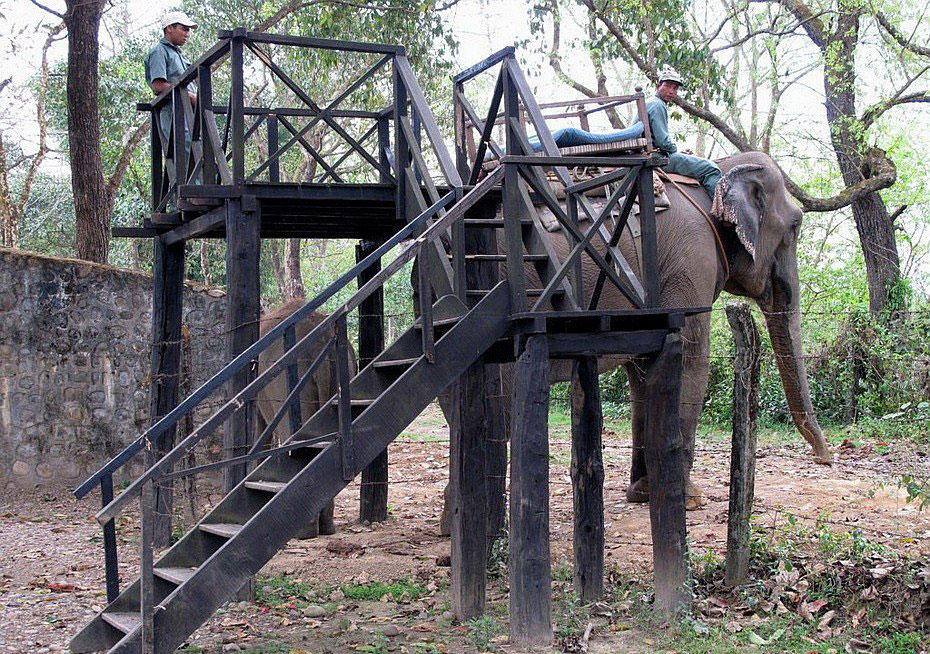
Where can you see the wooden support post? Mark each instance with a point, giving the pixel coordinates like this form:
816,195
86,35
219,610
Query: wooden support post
665,464
468,493
146,565
167,303
243,249
484,275
645,191
530,569
587,473
109,541
743,453
374,492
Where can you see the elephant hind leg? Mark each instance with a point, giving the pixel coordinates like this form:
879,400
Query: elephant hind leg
327,521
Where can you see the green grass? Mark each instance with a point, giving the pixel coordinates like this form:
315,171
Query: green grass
375,590
281,590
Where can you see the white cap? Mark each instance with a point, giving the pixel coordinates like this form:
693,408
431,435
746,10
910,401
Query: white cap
669,75
173,17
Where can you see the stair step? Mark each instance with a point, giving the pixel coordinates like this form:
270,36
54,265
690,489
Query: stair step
125,622
224,529
267,486
175,575
503,257
439,322
395,363
356,402
496,223
530,291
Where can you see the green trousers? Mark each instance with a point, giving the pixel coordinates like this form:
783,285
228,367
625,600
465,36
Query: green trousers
703,170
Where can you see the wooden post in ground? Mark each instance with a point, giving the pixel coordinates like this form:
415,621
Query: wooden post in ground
468,493
587,471
484,275
243,249
665,463
743,452
167,303
374,490
530,569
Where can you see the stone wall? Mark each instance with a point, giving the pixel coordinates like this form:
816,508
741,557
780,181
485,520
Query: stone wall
75,341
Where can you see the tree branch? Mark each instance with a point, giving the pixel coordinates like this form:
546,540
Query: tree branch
883,176
130,143
899,38
872,114
48,9
810,21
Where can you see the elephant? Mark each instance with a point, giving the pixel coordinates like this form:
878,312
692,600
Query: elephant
317,391
758,226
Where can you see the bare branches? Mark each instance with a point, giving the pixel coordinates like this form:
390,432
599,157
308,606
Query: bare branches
883,175
294,6
872,113
48,9
894,33
807,19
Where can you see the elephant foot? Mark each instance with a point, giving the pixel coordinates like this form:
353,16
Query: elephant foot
694,496
638,493
312,530
824,456
327,523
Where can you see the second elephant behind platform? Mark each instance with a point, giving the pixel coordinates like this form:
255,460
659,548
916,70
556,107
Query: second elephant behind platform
317,391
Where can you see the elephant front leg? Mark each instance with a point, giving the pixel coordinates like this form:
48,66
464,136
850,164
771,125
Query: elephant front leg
696,344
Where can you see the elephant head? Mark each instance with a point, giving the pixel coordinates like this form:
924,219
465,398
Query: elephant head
760,225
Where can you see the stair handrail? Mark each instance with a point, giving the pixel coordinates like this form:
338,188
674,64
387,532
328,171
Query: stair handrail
172,418
429,235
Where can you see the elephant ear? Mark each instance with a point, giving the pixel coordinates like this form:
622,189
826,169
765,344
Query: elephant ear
740,201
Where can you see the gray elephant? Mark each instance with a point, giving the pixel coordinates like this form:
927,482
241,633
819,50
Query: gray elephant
318,390
758,225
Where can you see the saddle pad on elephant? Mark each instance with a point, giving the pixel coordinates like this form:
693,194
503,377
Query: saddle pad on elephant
681,179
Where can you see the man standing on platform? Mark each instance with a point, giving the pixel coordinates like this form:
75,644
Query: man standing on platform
164,65
705,171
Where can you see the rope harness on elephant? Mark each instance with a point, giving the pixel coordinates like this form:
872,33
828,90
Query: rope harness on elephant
710,221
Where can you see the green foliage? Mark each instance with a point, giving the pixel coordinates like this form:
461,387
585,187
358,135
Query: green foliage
404,589
281,590
481,632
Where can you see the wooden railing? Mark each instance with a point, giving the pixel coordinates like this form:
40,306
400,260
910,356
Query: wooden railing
511,101
217,142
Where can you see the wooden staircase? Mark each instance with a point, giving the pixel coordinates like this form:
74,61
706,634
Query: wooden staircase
273,504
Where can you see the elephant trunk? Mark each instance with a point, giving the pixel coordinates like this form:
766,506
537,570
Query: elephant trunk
783,319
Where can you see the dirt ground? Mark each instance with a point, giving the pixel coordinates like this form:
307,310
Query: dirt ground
51,573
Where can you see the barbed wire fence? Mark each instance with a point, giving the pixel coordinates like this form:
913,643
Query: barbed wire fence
197,497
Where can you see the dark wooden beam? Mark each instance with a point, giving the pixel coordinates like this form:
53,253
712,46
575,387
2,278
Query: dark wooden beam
374,491
243,251
468,493
208,222
665,465
167,301
587,472
530,568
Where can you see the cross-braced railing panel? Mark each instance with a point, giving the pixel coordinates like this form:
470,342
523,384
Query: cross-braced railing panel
513,107
274,127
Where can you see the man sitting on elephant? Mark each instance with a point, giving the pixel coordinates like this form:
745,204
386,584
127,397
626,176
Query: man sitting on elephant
682,163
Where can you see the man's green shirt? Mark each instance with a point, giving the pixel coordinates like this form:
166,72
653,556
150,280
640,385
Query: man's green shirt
165,61
658,123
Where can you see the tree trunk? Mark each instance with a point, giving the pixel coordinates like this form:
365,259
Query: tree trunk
293,282
91,202
856,161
